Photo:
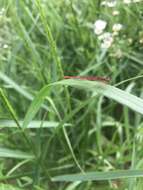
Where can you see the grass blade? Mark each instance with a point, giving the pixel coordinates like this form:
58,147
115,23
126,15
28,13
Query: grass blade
8,153
19,89
98,176
11,187
121,96
33,124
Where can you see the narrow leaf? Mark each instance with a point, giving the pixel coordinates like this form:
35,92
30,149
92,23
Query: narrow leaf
32,124
121,96
98,176
8,153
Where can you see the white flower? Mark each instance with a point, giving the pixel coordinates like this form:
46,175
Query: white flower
5,46
105,36
107,40
106,45
141,41
127,1
99,26
111,3
103,3
115,13
2,11
130,40
118,54
117,27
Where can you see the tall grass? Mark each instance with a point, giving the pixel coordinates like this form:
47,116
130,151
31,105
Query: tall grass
70,134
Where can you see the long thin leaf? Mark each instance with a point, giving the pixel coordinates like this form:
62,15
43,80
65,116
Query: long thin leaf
32,124
19,89
98,176
10,187
121,96
8,153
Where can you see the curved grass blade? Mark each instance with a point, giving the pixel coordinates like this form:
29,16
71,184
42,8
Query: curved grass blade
8,153
121,96
19,89
109,91
100,176
33,110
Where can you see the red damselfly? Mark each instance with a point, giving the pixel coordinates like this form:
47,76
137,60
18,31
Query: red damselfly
102,79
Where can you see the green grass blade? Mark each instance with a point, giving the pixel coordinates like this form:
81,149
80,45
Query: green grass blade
50,38
14,116
98,176
8,153
19,89
33,124
10,187
9,107
15,86
125,98
120,96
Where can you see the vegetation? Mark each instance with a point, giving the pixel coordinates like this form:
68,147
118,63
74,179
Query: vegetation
71,134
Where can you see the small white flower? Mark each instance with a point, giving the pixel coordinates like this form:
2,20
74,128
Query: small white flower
115,33
97,31
115,13
104,3
105,36
118,155
141,41
117,27
107,40
111,3
2,11
127,1
106,44
118,54
99,26
130,40
5,46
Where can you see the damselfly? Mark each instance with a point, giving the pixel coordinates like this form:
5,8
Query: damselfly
102,79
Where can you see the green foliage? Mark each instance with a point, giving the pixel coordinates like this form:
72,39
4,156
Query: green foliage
10,187
99,176
52,129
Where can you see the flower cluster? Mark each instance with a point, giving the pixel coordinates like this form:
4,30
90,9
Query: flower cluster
106,38
116,28
112,3
99,26
3,44
7,35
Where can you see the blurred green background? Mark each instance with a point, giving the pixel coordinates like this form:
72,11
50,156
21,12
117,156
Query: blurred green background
41,41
